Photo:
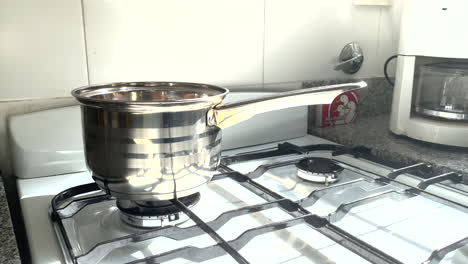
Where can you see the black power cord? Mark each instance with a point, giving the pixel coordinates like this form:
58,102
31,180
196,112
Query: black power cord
385,69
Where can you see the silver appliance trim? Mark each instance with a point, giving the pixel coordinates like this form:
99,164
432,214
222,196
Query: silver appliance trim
461,116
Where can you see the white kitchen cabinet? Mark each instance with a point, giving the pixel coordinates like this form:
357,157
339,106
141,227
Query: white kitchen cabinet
303,38
42,50
212,41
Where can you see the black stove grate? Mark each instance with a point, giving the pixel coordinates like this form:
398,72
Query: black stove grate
296,209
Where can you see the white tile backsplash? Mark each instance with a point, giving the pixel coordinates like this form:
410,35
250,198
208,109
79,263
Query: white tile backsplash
303,38
211,41
42,50
240,44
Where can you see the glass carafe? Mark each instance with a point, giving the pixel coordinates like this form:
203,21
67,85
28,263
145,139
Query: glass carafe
442,90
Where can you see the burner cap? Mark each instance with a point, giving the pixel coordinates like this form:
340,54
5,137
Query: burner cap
149,214
318,170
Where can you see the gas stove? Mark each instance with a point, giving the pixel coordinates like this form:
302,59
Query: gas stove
320,203
278,197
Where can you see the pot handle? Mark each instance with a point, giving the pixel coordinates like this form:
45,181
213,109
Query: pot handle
226,115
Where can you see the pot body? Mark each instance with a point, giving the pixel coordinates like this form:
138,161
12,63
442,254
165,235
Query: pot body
150,141
150,155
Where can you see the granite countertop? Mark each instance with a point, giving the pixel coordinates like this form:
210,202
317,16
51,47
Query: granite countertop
8,248
374,133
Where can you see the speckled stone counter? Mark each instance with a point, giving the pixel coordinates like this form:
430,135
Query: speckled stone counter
8,248
374,133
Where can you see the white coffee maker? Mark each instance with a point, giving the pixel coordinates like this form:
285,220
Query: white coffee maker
430,99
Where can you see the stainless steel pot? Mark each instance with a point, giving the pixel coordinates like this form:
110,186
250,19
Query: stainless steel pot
160,140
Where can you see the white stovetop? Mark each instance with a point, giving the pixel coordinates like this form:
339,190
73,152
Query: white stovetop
35,196
409,229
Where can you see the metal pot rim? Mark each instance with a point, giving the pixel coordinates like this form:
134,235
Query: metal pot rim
85,93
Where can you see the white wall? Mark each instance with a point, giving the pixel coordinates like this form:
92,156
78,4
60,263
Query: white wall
240,43
303,38
42,51
211,41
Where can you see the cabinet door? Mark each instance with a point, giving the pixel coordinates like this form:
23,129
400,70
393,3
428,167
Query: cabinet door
211,41
42,50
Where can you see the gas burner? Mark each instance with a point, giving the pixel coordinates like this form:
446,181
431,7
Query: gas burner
150,214
319,170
